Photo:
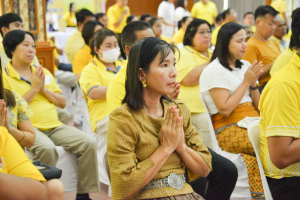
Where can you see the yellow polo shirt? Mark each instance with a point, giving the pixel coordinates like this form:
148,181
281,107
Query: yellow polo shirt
282,60
280,6
280,43
44,112
82,59
113,15
187,60
114,99
13,159
178,36
214,35
206,11
267,52
74,43
70,19
168,40
95,74
280,115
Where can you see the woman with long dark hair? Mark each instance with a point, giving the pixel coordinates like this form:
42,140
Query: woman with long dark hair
70,17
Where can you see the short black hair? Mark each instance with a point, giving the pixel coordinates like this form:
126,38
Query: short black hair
261,11
82,14
12,39
153,20
219,17
180,3
295,28
226,12
144,16
8,18
99,15
222,47
99,37
192,29
88,30
128,20
128,36
248,13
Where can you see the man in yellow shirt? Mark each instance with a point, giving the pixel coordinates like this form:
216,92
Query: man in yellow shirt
206,10
117,15
280,125
229,15
260,47
249,20
281,7
75,42
279,34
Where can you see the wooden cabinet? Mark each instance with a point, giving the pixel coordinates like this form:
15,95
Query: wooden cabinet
44,53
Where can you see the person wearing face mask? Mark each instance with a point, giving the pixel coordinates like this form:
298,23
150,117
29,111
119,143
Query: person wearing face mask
96,77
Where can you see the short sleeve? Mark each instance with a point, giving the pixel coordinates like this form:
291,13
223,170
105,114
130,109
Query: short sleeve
24,111
186,62
126,171
53,85
89,79
161,10
281,112
114,99
251,53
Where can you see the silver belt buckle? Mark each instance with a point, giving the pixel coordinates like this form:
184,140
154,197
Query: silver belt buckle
175,181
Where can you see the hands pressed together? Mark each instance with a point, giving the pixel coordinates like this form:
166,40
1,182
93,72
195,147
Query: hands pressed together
253,73
4,118
38,79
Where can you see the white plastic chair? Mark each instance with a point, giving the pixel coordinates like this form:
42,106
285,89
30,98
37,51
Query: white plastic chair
105,167
254,136
241,190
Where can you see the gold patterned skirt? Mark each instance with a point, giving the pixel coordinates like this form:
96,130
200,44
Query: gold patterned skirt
190,196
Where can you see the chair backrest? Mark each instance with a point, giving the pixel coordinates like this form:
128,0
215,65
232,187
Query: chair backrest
254,136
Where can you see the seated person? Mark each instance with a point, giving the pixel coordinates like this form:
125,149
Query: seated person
279,34
75,42
29,81
96,77
249,20
219,20
224,175
249,32
131,18
191,60
145,17
231,94
182,25
19,178
102,18
84,56
148,133
280,125
156,25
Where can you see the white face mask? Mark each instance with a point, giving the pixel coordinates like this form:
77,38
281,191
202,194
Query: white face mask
111,55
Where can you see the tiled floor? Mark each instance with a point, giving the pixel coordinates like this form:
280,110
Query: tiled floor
102,195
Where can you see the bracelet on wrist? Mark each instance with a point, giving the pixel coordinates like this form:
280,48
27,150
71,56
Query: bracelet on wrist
253,88
22,138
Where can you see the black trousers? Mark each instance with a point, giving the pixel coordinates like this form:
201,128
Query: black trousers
65,67
220,182
285,188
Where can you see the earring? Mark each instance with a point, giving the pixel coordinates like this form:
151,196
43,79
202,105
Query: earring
144,83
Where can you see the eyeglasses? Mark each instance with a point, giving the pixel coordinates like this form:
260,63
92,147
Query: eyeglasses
203,32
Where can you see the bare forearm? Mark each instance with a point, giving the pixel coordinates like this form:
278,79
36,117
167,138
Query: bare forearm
57,99
119,21
266,71
164,22
19,188
28,140
98,93
195,162
255,96
159,157
192,79
30,95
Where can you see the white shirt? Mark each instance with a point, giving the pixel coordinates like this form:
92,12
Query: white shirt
181,13
166,10
217,76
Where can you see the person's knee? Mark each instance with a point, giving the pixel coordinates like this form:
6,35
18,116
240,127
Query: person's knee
55,189
89,142
229,169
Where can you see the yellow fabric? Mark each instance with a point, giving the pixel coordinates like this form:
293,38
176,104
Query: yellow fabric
74,43
280,115
168,40
280,6
188,60
178,36
133,137
44,112
93,75
205,11
278,42
253,28
55,54
288,35
20,112
267,52
214,35
13,159
281,61
70,19
82,59
113,15
114,99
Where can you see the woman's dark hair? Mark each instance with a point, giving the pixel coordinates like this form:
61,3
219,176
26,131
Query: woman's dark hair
88,30
5,94
183,20
180,3
99,15
144,16
192,29
130,18
134,88
12,39
221,51
71,4
295,29
99,37
153,20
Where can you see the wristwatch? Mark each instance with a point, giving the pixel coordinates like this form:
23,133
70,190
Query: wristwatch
253,88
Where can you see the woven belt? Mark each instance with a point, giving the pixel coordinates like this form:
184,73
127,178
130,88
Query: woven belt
173,180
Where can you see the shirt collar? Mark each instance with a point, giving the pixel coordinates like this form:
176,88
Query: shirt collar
296,59
190,49
10,71
102,66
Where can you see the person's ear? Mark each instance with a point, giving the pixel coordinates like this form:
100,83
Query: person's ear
127,49
4,30
142,75
96,50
